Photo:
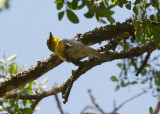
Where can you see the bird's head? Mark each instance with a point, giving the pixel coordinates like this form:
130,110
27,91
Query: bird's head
52,42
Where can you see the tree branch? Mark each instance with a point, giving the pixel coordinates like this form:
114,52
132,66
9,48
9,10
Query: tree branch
144,63
107,32
85,108
95,104
126,101
157,107
34,72
89,64
58,104
40,96
35,103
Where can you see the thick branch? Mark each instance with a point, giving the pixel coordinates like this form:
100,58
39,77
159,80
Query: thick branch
107,32
32,73
134,52
88,64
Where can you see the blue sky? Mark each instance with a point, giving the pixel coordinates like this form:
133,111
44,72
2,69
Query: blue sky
24,29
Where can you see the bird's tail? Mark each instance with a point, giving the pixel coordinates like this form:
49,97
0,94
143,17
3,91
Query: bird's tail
94,53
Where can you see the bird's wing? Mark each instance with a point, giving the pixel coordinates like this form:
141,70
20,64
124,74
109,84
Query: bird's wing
77,49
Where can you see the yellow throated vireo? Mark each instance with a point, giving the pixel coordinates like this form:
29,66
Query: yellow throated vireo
76,51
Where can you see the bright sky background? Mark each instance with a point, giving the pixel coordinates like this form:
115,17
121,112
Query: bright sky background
24,29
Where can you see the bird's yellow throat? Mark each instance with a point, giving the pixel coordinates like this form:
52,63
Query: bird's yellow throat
55,46
52,43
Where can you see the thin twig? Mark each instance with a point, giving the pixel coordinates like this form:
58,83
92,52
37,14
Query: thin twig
125,44
158,106
42,95
34,103
144,63
95,104
58,102
86,108
127,100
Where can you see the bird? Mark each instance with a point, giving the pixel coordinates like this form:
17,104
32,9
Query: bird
77,50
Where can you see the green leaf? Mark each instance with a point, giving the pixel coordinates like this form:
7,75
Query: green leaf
26,110
72,16
60,15
152,18
22,67
7,4
106,1
117,88
110,19
29,89
97,2
58,1
24,102
123,84
128,6
74,4
2,61
13,68
121,2
59,6
89,14
12,57
2,68
113,78
45,80
114,3
119,65
81,5
150,110
9,107
42,88
155,4
158,16
137,2
134,82
69,4
135,10
99,19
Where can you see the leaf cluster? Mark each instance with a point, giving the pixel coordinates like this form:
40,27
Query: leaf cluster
4,4
16,105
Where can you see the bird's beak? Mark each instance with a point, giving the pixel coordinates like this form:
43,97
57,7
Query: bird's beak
50,37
